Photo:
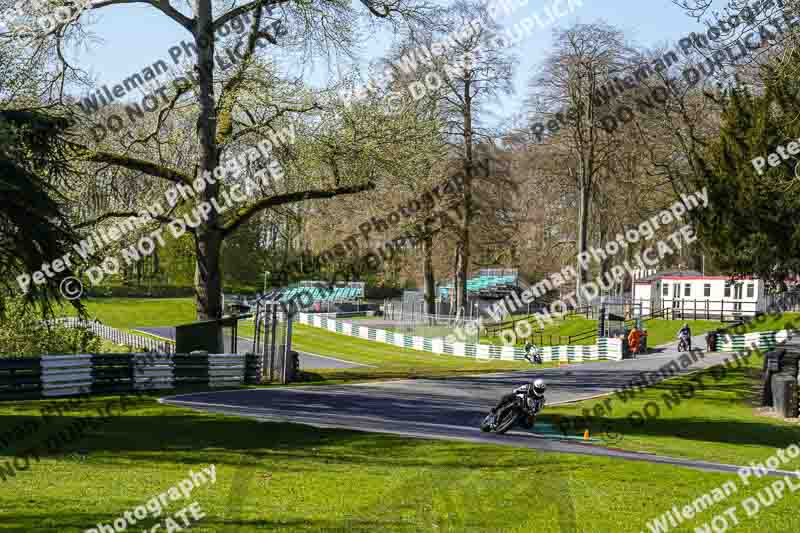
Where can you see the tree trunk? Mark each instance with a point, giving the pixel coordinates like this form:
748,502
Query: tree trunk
462,248
208,276
429,287
605,263
583,227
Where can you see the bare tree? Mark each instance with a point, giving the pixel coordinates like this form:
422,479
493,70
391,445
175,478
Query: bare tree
229,110
567,94
472,70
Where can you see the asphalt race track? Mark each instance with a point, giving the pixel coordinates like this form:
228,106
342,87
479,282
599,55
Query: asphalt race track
308,361
449,408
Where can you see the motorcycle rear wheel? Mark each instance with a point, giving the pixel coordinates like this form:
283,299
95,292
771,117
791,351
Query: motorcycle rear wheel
505,420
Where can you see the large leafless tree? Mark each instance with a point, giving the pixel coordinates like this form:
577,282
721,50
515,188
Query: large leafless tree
229,110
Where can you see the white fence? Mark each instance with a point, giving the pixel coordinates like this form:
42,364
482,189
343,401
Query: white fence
604,349
117,336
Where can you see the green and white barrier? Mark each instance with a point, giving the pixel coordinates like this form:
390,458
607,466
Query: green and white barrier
763,340
605,349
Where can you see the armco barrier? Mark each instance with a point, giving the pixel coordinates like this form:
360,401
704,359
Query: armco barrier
65,375
151,371
20,379
226,370
604,349
763,340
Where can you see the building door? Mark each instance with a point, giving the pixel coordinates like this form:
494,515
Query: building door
676,294
737,295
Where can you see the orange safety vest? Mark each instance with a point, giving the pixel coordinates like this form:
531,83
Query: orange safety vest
633,339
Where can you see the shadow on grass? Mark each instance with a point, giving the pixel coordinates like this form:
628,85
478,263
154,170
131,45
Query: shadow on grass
199,438
80,521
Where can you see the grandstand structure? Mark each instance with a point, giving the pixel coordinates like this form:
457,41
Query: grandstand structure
488,284
321,297
319,291
483,290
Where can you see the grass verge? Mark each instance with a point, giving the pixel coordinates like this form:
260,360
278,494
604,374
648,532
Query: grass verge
387,361
658,331
126,313
720,422
294,478
771,322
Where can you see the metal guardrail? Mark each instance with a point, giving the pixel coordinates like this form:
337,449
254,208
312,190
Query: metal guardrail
66,375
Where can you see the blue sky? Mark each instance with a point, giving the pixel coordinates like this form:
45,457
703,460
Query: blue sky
134,36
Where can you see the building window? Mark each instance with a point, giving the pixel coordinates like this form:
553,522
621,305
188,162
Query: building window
687,289
707,290
750,290
666,289
727,291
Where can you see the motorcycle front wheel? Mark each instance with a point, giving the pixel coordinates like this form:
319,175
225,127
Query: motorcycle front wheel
486,425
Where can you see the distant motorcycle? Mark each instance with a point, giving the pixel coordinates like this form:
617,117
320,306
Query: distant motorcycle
533,354
521,406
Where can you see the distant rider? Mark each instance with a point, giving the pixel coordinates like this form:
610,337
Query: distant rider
532,353
686,333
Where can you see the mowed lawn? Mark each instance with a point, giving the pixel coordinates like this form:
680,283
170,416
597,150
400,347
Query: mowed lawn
126,313
771,322
658,331
387,361
272,476
720,422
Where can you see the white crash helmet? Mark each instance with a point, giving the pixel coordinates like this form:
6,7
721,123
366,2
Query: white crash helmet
539,386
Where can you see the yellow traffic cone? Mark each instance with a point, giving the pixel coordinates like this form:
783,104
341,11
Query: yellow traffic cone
586,434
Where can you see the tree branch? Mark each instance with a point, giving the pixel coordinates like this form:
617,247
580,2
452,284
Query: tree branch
374,11
235,12
121,214
246,213
131,163
162,5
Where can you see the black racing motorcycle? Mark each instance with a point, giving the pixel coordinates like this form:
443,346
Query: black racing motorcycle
519,407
